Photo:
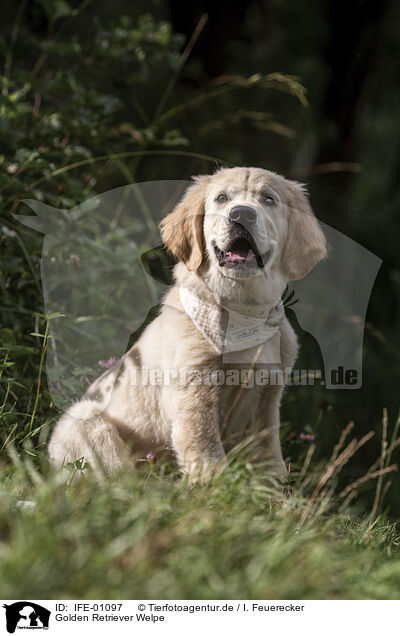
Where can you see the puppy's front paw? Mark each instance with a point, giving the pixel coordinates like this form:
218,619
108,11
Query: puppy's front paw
203,472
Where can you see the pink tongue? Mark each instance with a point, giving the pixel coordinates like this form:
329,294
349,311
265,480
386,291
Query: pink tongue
236,256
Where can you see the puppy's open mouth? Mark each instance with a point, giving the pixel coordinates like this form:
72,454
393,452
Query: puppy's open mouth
241,252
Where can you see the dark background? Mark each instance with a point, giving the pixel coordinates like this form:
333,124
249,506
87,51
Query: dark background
88,80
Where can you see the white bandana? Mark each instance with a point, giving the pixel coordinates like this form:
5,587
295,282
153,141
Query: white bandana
227,330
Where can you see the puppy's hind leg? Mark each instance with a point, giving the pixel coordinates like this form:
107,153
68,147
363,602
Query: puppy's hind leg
85,431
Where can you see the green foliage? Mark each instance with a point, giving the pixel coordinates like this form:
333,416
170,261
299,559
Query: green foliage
71,105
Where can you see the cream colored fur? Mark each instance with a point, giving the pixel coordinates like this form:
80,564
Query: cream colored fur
122,417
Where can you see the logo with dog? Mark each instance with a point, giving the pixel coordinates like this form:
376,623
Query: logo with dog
26,615
101,294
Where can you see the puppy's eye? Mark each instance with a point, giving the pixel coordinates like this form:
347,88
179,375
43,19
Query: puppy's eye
221,198
268,200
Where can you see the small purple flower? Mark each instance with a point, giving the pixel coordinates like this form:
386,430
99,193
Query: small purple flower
107,364
307,437
150,456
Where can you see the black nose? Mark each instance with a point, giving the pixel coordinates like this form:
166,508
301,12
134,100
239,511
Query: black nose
242,214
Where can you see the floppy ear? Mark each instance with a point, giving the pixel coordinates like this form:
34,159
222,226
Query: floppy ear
182,229
305,243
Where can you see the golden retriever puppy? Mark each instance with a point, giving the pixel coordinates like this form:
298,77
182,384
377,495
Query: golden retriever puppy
212,362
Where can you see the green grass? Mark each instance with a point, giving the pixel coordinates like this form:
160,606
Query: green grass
150,535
